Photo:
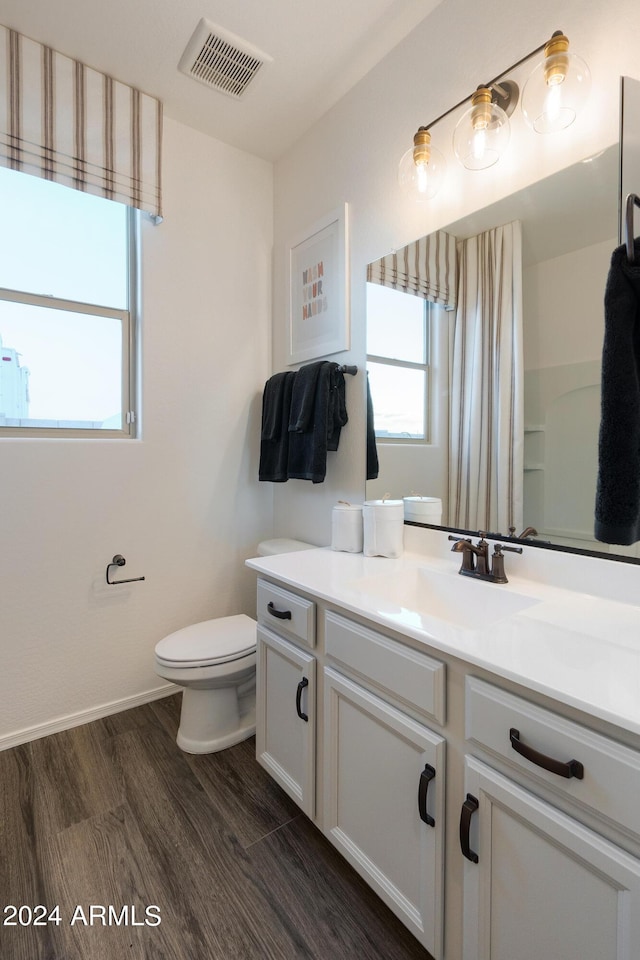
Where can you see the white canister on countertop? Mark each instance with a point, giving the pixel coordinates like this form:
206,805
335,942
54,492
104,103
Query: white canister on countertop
383,523
346,527
423,509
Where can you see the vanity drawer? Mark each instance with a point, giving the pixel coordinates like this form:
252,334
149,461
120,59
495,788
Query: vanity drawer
595,771
287,613
408,676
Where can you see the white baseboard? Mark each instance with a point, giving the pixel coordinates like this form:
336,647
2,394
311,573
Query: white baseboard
85,716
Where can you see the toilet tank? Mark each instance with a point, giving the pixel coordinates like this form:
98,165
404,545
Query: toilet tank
268,548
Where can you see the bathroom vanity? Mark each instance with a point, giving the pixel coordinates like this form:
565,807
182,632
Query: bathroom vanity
472,749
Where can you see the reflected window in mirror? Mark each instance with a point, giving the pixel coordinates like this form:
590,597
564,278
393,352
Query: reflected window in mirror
398,363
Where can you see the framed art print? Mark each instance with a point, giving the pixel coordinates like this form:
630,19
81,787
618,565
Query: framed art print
318,289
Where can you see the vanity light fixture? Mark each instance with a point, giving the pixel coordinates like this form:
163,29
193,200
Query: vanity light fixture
557,89
552,97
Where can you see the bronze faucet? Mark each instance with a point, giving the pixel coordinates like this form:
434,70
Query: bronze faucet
527,532
475,559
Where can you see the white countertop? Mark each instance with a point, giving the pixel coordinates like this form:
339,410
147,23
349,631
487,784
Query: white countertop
580,649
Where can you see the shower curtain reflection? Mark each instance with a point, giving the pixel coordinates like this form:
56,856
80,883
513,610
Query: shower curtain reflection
486,430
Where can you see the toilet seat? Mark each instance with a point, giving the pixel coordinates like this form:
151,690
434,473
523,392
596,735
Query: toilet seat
208,643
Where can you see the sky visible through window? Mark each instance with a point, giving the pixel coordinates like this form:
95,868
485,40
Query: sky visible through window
60,242
396,329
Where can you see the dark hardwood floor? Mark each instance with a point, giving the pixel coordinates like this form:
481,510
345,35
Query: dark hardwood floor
113,814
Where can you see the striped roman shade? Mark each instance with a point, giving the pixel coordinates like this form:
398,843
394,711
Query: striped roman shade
426,268
63,121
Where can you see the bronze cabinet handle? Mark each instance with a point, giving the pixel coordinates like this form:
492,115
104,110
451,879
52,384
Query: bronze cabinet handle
572,768
469,807
301,686
426,777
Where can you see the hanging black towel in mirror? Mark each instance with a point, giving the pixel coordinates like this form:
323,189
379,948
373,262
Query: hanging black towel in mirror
617,516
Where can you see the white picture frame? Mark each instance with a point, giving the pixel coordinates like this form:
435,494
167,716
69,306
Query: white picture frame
318,287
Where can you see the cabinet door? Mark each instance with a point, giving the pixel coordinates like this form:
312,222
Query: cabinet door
543,884
286,716
384,779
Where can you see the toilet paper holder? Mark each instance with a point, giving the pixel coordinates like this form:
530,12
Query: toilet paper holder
119,561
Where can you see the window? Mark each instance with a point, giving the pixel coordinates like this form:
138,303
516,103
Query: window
67,319
398,363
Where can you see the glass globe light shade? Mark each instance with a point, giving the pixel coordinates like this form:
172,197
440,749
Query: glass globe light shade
421,169
557,89
482,133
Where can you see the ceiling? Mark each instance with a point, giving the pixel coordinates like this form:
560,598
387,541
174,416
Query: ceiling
320,49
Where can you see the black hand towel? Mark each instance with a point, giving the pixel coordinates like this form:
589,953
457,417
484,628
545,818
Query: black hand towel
308,448
303,396
618,489
337,416
274,440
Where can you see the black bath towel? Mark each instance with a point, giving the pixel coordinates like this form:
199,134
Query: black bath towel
274,439
618,488
322,397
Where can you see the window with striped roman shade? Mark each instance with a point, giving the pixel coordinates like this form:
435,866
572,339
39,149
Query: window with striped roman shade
426,268
64,121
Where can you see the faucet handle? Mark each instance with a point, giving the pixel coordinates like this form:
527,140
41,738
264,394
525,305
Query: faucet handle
497,562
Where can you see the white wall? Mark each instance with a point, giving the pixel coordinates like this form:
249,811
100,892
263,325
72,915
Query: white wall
351,155
562,351
564,318
183,504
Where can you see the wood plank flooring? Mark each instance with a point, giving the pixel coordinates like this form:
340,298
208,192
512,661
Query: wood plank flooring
114,814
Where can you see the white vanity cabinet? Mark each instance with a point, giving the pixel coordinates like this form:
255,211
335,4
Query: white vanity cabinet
343,725
537,881
384,771
286,692
527,846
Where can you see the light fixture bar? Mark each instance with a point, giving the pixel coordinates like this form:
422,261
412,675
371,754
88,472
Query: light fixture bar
513,66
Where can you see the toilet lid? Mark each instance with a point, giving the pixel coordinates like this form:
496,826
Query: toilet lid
211,641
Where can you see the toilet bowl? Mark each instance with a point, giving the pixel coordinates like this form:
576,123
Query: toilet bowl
214,661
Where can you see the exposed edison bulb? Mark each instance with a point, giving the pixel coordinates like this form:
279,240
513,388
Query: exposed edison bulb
482,133
554,102
421,169
557,89
479,145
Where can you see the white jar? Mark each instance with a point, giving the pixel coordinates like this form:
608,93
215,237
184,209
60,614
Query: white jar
423,509
346,527
383,523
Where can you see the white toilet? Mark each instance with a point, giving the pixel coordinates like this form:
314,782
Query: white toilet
215,662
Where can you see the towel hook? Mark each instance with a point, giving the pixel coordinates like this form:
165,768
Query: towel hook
119,561
632,201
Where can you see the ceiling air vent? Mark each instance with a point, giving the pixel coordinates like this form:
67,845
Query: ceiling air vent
221,60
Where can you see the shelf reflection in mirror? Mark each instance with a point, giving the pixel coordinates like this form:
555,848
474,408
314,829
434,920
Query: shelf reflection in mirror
569,229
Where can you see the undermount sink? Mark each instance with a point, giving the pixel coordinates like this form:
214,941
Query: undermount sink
461,601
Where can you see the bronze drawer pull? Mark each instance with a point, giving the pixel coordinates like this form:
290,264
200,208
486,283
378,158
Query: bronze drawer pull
572,768
280,614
